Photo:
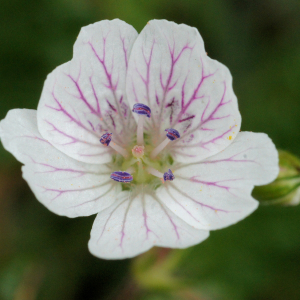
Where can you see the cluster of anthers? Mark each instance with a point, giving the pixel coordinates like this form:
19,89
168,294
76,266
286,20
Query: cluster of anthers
140,157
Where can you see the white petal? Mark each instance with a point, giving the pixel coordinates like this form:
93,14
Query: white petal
85,97
64,185
216,193
132,226
185,89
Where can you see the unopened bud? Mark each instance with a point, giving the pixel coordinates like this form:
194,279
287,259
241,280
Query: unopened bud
285,190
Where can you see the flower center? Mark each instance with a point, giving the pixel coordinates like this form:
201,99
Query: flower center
145,165
138,151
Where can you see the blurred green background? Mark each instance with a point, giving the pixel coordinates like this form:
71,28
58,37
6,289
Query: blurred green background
43,256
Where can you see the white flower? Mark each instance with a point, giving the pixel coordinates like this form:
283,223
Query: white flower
166,69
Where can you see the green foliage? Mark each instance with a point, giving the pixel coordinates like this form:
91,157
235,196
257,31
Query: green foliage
285,190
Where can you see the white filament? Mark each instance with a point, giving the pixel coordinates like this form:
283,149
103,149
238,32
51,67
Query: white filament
154,172
159,148
118,149
140,131
130,170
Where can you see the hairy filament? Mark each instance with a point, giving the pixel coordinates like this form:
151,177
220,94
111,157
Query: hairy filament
140,131
159,148
154,172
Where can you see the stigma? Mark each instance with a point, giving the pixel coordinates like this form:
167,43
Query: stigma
138,151
121,176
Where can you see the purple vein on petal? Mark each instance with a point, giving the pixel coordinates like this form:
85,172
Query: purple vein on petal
200,203
61,192
175,227
55,169
194,97
145,217
73,139
229,159
123,224
32,137
111,86
64,111
110,215
95,199
176,201
124,51
168,85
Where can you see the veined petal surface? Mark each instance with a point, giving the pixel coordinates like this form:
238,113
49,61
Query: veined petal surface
85,98
216,192
133,225
65,186
170,72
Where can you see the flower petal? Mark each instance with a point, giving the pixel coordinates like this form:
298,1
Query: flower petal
216,193
84,98
65,186
132,226
170,72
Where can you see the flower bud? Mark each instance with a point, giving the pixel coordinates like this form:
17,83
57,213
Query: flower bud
285,190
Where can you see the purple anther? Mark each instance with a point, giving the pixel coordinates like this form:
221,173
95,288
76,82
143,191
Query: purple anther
169,176
142,109
172,134
105,139
121,176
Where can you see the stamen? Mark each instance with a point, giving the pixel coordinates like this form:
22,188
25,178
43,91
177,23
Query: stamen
169,175
142,110
172,134
121,176
154,172
106,140
165,176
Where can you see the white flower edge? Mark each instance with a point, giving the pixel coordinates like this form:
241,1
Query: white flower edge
65,186
216,192
132,226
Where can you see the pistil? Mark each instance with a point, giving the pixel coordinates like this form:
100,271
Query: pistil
141,176
172,134
138,151
106,140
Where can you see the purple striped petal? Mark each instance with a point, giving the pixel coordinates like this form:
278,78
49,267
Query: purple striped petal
133,225
65,186
171,72
216,192
86,96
